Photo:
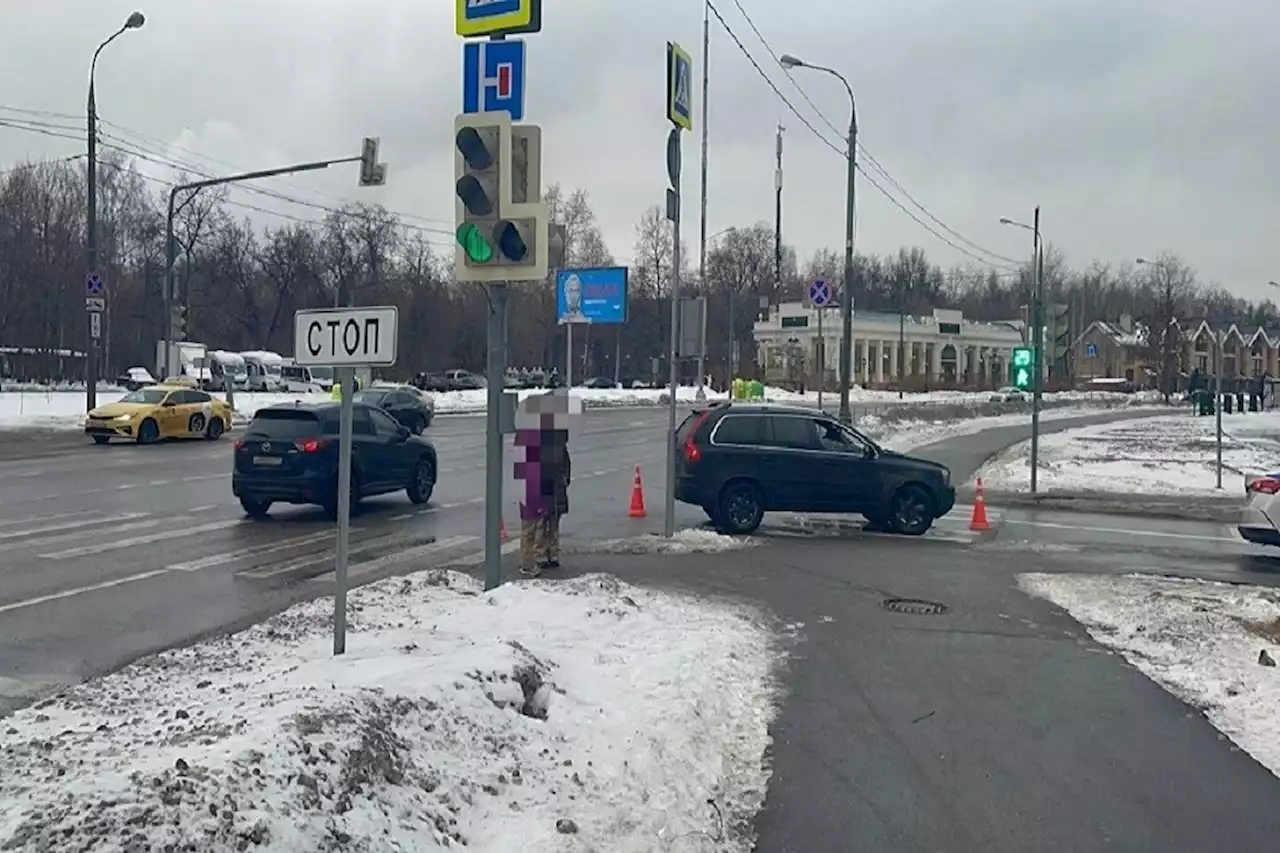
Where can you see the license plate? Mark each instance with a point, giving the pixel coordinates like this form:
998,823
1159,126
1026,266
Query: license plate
267,460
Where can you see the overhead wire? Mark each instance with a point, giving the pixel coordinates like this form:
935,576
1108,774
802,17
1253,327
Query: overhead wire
841,150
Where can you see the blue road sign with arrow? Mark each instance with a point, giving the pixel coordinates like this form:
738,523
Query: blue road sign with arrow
820,293
93,285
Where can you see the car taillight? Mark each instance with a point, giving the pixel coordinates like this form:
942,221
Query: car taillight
1265,485
691,451
310,445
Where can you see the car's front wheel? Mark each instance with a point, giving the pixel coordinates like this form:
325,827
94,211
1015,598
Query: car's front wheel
423,482
214,431
741,508
148,432
911,511
417,425
255,508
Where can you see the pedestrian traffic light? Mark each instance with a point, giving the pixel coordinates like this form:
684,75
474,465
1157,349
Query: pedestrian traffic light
1022,367
501,221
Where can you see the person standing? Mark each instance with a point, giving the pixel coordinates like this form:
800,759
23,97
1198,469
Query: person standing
540,521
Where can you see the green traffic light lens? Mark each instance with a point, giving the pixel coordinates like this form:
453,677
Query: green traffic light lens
473,242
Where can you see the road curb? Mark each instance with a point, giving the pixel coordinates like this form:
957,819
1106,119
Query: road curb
1226,510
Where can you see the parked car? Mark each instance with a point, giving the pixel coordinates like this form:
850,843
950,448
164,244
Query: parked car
426,381
740,460
412,408
463,380
1009,394
135,378
600,382
1262,504
289,454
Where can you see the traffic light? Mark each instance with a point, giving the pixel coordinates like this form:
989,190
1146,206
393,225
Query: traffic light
501,220
1059,331
372,173
1022,367
178,323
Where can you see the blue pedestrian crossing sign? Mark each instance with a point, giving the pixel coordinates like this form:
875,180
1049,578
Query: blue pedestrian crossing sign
679,86
493,77
498,17
820,293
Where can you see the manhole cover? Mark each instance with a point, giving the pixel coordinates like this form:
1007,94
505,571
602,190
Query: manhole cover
915,606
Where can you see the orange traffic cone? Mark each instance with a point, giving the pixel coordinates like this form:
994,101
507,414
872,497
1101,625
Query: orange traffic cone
637,498
979,519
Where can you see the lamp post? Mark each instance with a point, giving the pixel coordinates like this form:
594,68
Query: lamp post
133,22
846,292
1037,335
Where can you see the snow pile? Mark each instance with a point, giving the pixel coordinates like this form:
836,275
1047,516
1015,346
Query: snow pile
1173,455
495,721
1212,645
691,540
904,435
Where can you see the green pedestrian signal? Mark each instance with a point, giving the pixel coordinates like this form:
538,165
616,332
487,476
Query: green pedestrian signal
474,243
1022,366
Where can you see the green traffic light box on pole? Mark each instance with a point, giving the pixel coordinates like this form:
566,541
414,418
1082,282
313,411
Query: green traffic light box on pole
1023,359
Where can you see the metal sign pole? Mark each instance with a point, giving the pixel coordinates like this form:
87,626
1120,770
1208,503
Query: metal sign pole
347,376
1217,403
568,355
497,370
822,359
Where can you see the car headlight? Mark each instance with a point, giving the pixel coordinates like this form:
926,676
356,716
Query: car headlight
122,418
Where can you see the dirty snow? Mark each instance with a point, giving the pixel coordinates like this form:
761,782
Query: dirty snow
1205,643
1173,455
627,718
691,540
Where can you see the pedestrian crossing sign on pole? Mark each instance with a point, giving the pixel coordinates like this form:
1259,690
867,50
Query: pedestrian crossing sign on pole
679,86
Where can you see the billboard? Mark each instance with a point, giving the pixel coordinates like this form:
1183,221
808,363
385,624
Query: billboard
596,295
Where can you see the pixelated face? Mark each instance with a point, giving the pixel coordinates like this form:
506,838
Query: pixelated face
555,410
573,293
543,425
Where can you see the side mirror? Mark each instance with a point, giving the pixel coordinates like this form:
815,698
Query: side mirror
167,403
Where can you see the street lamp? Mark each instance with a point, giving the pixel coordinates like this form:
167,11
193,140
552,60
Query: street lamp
133,22
1037,335
846,293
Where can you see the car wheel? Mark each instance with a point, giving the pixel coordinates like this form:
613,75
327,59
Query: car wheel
255,508
196,425
214,432
148,432
418,425
911,511
100,439
423,482
741,508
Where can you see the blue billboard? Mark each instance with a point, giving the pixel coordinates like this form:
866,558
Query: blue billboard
596,295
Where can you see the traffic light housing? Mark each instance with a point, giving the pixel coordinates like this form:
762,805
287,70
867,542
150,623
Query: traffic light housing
1022,367
178,323
501,219
1059,331
372,173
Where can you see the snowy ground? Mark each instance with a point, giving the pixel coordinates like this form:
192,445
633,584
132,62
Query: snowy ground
43,408
1212,645
1173,455
629,719
691,540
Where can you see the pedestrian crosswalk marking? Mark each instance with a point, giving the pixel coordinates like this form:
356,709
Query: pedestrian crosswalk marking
85,533
253,551
71,525
104,547
44,519
80,590
478,557
365,566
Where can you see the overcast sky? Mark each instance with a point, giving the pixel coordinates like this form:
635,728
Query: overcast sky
1137,125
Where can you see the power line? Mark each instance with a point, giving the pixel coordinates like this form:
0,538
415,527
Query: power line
862,148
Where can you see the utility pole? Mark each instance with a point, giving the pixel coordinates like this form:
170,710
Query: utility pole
1037,346
777,222
702,224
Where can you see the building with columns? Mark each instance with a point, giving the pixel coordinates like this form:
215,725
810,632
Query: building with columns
939,350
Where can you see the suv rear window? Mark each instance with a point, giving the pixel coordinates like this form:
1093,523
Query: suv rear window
284,423
739,429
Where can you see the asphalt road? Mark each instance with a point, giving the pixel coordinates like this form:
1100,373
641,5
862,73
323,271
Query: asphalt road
108,553
998,727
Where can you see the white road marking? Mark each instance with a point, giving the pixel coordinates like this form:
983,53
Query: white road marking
402,516
204,508
80,590
255,551
63,538
159,482
369,566
40,519
103,547
291,566
202,477
72,525
478,557
1154,534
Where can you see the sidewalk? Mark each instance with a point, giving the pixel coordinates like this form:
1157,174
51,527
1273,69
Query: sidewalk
996,727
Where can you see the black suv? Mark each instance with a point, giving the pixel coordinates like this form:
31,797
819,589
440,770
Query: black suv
740,460
289,454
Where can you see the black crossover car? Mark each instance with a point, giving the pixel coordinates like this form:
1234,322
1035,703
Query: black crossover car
405,403
740,460
289,454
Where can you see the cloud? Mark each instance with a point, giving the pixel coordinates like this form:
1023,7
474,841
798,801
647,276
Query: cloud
1138,125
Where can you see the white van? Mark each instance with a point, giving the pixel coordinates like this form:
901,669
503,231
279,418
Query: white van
322,375
228,370
297,379
264,370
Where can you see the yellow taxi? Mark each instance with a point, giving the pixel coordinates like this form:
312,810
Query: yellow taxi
172,409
